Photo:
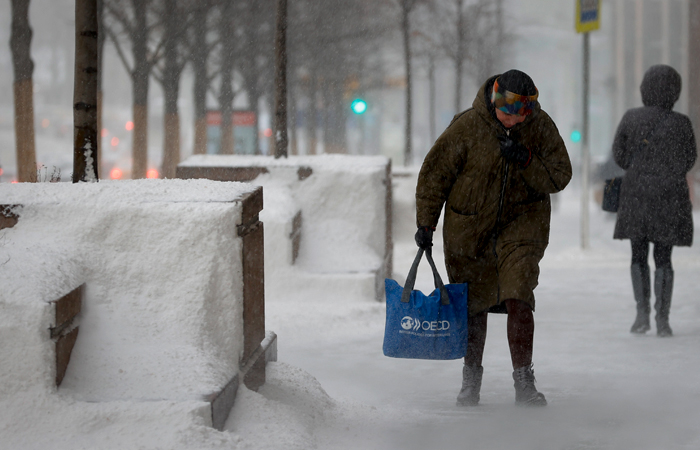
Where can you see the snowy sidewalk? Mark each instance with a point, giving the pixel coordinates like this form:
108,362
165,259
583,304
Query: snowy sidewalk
607,388
333,389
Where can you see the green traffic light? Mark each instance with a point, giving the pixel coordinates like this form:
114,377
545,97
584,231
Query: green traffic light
576,136
358,106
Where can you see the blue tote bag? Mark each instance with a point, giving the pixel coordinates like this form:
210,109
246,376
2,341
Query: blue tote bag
420,326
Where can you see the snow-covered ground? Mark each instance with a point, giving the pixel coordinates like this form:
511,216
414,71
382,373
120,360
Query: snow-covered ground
607,388
333,389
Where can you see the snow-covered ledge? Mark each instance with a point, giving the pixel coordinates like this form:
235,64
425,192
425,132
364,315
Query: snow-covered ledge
327,218
173,301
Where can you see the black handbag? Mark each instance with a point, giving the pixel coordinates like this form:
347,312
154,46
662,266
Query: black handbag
611,194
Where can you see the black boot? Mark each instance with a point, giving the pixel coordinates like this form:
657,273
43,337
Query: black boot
641,286
663,289
471,385
525,391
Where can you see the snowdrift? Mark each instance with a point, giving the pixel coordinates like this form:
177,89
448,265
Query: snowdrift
328,222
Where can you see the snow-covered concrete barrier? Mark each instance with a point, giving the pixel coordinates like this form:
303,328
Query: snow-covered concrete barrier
328,220
173,296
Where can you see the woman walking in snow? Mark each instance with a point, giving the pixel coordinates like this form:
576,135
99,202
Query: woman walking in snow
656,147
493,170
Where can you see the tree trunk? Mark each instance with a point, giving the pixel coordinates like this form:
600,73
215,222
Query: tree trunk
171,91
20,43
200,135
254,73
139,140
431,96
86,143
325,113
140,79
171,143
459,57
405,26
459,74
254,98
250,80
334,118
100,64
311,115
500,38
171,150
293,125
226,91
199,67
280,129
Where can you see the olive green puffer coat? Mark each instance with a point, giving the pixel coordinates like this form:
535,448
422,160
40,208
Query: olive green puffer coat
497,214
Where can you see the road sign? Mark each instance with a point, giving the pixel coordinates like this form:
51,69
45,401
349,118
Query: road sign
587,15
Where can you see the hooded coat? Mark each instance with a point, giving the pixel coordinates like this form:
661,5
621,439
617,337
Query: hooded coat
497,213
656,147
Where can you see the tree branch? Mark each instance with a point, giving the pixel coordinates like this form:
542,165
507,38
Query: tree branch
120,52
120,16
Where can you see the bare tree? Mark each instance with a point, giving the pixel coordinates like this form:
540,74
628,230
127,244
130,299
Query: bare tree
310,84
86,142
465,38
129,18
306,37
488,40
406,7
330,42
20,43
200,49
255,53
428,51
175,21
227,56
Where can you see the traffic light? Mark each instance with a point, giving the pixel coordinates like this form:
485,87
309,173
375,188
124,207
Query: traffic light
575,136
358,106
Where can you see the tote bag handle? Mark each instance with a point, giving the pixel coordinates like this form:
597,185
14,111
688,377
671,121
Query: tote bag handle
411,278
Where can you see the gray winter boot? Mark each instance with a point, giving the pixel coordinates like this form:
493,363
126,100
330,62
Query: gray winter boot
471,385
641,286
663,289
525,392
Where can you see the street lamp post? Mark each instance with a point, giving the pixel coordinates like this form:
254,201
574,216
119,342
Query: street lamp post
587,20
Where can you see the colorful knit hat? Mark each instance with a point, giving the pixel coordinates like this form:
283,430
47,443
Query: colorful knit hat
514,92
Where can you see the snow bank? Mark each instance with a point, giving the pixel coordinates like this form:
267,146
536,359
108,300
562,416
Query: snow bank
342,199
161,317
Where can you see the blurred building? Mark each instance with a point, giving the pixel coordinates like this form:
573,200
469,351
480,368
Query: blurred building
645,33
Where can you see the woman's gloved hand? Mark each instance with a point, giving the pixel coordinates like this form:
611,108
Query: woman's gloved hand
514,151
424,237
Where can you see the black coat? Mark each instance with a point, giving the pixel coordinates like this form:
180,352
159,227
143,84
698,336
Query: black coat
654,198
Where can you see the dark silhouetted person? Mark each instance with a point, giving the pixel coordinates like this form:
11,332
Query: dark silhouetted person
656,147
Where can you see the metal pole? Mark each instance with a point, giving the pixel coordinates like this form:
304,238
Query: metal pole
585,147
639,44
431,90
406,10
621,70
